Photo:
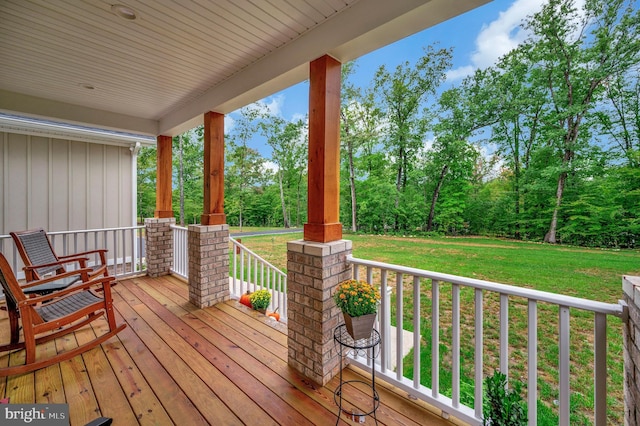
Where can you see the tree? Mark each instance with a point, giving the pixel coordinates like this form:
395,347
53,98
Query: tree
360,118
189,150
619,115
403,93
451,156
516,107
289,154
146,181
243,165
575,52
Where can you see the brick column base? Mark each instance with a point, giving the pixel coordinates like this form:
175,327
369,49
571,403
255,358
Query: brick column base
159,245
208,264
631,343
313,271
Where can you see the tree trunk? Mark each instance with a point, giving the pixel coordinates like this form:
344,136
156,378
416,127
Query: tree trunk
550,237
299,200
352,183
434,199
285,218
396,225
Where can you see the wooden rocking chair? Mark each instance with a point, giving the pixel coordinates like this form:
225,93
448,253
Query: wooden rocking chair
40,259
45,318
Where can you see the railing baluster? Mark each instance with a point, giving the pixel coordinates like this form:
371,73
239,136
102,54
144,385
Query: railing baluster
243,283
532,362
504,334
416,332
435,334
455,345
564,335
478,362
234,246
123,237
115,252
255,272
600,370
385,323
399,326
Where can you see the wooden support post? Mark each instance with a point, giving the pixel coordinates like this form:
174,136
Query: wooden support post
323,203
163,178
213,213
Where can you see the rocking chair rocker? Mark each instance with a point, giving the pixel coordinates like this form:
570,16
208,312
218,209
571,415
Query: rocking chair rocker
48,317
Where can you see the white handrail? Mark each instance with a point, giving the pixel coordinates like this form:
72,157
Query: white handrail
541,296
453,405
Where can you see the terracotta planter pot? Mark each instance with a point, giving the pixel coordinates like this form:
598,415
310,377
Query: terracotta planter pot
359,327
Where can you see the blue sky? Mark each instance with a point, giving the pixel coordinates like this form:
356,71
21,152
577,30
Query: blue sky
478,38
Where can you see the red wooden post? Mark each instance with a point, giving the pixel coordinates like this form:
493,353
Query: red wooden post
213,213
324,152
163,178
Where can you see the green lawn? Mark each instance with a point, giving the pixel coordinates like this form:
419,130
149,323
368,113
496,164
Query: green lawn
587,273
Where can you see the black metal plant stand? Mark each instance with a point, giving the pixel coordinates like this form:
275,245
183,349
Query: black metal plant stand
369,348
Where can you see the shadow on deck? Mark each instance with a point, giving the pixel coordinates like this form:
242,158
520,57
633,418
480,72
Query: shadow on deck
177,364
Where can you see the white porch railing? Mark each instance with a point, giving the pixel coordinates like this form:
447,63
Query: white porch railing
180,252
125,247
416,280
452,301
247,271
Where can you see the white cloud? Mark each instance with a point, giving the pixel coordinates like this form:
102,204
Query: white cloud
460,73
498,37
271,166
229,123
299,116
271,105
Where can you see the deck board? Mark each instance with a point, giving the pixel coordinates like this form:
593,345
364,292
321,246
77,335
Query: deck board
177,364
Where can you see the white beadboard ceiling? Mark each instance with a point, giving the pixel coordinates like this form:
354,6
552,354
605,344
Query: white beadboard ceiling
159,73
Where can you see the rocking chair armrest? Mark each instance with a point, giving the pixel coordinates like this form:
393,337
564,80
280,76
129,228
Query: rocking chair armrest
101,252
56,277
103,282
80,260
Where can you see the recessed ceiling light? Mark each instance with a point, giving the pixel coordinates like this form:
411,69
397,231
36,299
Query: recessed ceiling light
125,12
87,86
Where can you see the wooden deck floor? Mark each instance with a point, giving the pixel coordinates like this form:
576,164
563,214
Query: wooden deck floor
176,364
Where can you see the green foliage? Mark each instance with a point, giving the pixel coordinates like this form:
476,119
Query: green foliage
146,169
503,406
544,143
260,299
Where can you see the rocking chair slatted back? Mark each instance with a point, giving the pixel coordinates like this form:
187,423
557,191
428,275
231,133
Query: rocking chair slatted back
40,259
38,248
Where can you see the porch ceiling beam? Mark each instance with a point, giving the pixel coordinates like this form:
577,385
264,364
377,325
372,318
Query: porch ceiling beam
41,108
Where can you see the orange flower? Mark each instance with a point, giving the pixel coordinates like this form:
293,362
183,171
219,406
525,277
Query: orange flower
357,298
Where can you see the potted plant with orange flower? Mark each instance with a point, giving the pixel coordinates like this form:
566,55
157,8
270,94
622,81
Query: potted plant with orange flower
358,301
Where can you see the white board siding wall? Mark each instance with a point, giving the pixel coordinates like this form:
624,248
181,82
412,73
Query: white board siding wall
63,184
